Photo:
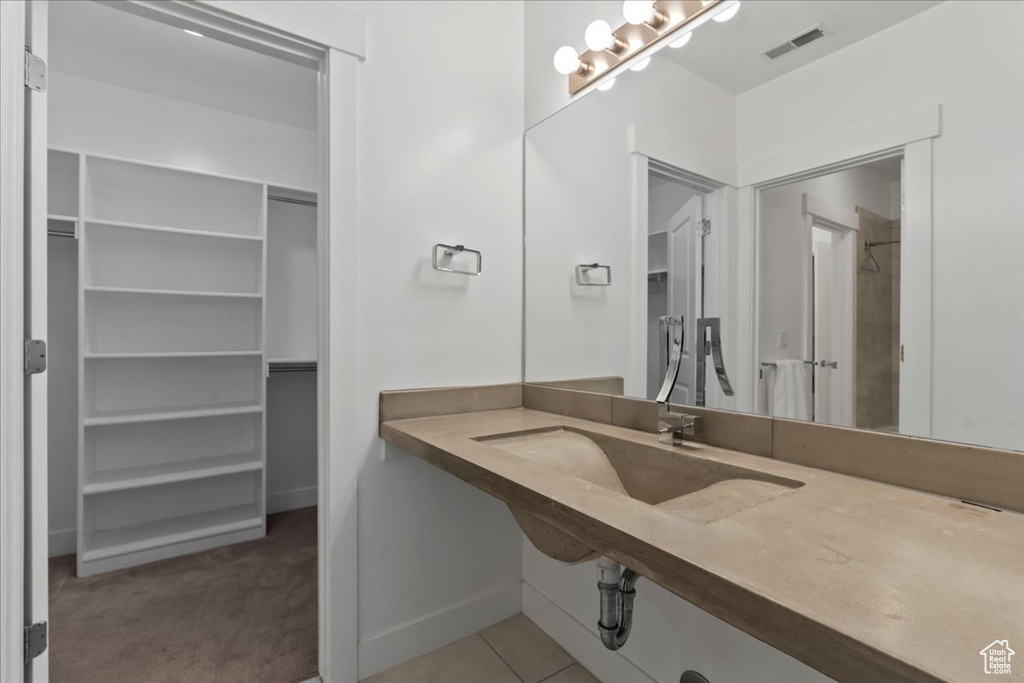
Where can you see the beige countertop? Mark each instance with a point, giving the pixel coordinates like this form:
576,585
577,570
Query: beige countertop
861,580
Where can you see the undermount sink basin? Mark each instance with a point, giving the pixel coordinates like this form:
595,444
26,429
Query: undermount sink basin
675,482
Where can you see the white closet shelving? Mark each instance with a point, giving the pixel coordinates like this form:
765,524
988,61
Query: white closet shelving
172,390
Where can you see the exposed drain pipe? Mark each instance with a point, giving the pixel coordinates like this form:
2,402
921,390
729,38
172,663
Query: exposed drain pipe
618,588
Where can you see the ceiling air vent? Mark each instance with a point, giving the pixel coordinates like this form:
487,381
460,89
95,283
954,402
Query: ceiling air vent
793,43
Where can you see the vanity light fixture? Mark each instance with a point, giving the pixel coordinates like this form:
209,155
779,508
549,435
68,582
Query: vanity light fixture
599,36
638,12
567,61
651,25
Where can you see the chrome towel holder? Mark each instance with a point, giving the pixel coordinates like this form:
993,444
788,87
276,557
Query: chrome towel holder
451,250
586,267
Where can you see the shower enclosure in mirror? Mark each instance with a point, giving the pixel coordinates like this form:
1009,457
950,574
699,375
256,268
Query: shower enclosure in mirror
848,210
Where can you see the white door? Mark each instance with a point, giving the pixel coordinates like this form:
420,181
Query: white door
683,290
36,428
833,322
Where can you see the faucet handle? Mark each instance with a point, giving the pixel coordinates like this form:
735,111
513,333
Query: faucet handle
673,426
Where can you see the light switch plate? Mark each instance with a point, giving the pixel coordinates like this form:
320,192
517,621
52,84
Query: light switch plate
783,340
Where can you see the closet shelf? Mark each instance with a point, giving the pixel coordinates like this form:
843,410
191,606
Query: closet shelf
139,537
176,231
61,219
145,355
169,473
171,292
135,416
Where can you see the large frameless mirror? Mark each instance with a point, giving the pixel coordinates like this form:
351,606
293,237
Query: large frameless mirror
828,226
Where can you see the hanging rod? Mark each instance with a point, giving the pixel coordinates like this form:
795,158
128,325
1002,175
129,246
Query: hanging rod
869,245
771,363
291,200
58,233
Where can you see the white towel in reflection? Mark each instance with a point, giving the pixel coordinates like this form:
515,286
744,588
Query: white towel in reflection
790,390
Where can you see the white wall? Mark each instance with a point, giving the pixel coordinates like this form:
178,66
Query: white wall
579,199
978,206
440,160
62,409
93,116
291,440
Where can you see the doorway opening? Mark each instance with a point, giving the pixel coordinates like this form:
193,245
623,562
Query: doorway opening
830,297
183,208
675,277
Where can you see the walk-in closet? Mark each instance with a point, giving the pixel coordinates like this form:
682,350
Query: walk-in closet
183,301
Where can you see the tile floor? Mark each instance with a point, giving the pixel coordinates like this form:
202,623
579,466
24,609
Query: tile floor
512,651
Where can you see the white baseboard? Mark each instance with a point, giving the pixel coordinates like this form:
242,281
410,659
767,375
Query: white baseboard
579,640
283,501
63,542
412,639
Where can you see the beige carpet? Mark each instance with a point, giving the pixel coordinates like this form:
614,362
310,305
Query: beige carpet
243,613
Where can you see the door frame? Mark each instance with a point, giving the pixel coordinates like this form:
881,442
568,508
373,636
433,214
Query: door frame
330,38
720,291
12,378
911,135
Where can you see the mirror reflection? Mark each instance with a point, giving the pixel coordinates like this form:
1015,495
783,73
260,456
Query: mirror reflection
831,232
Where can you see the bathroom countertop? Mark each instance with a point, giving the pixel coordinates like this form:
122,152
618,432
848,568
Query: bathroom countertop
861,580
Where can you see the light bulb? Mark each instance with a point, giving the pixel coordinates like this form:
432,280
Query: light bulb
567,60
638,11
607,85
682,41
727,14
641,65
599,36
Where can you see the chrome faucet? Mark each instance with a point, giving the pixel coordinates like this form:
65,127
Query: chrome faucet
710,347
673,426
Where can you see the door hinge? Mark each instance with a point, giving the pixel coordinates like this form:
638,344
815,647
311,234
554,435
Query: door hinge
35,640
35,72
705,227
35,356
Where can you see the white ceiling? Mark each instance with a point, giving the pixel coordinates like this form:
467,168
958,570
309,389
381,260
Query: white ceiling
729,54
103,43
